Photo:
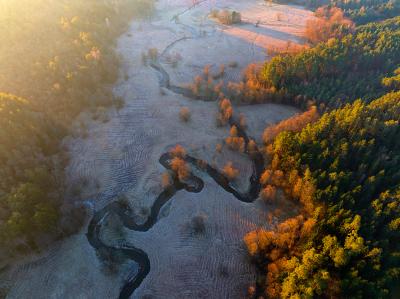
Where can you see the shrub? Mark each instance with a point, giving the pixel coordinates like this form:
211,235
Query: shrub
225,112
184,114
198,225
242,121
252,147
295,124
214,13
119,103
205,87
268,194
201,164
220,73
228,17
111,260
178,151
233,131
251,291
144,59
181,169
225,104
166,180
152,54
330,23
234,142
233,64
223,270
230,172
250,90
266,177
218,148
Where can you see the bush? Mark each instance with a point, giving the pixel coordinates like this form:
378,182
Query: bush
294,124
242,121
268,194
250,90
202,164
218,148
230,172
152,54
205,87
181,168
225,112
178,151
198,225
184,114
234,142
329,23
252,148
233,64
220,73
227,17
166,180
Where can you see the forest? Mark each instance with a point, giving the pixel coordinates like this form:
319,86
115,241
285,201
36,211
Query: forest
341,64
345,243
338,71
58,60
342,167
361,12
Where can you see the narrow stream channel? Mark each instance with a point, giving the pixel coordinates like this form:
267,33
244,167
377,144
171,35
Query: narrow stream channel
196,185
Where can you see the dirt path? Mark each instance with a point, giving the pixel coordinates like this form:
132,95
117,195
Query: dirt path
119,157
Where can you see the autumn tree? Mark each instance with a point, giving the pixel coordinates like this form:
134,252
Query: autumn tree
342,244
235,142
180,168
268,193
329,22
178,151
230,171
295,124
225,112
184,114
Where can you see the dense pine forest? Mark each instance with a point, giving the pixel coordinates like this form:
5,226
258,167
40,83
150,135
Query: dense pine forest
340,70
360,11
343,168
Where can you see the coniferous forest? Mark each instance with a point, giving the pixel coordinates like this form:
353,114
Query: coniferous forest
342,168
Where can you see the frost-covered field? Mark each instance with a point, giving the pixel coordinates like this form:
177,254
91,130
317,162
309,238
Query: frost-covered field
119,157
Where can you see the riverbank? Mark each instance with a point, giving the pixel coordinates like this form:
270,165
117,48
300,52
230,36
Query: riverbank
119,158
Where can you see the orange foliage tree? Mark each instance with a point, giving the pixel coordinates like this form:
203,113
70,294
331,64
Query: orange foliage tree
295,124
166,180
184,114
225,112
181,168
234,142
277,247
230,171
178,151
329,22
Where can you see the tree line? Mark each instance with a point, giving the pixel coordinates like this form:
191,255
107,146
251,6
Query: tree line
361,12
340,160
338,71
344,169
